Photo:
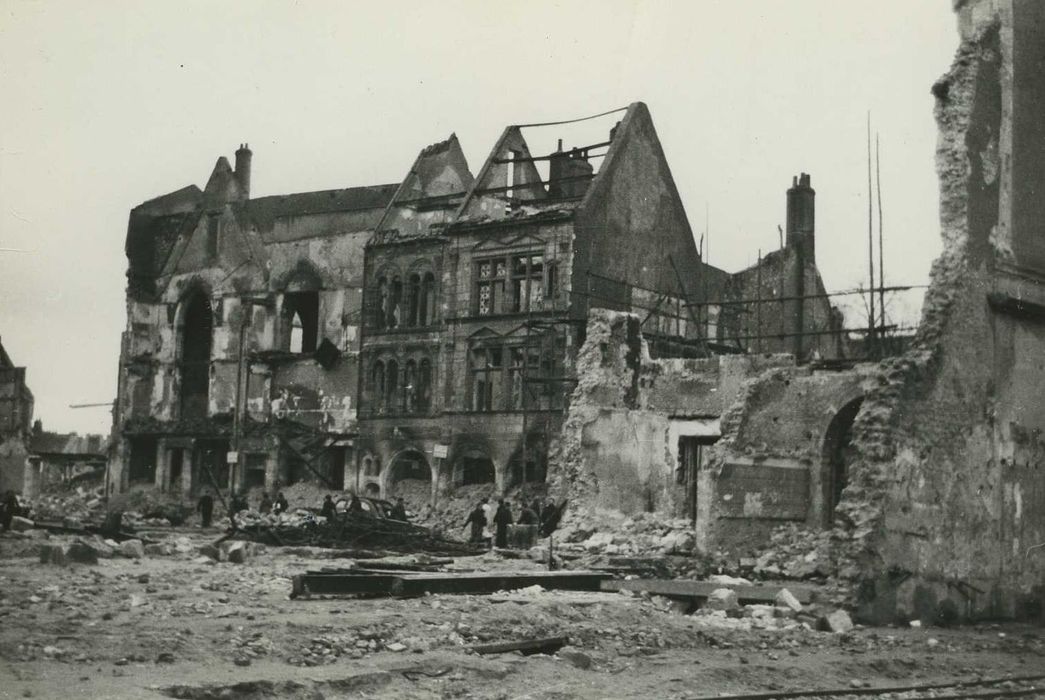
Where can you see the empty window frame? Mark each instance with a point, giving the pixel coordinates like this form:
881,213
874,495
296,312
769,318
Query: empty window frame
301,312
511,284
486,364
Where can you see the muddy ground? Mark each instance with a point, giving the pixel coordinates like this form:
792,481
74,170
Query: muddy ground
177,626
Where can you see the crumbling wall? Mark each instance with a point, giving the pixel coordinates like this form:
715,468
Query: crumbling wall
618,448
949,441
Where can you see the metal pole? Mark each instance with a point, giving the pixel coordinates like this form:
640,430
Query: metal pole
758,300
870,244
881,255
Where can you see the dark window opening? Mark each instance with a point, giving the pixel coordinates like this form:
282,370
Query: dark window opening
381,310
689,460
336,460
838,453
377,386
301,310
410,386
531,467
254,470
527,283
413,300
213,235
427,302
210,468
371,466
392,387
424,386
142,467
372,490
177,461
393,302
487,378
477,469
195,356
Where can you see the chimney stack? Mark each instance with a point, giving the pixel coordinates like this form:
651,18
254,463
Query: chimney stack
243,156
801,216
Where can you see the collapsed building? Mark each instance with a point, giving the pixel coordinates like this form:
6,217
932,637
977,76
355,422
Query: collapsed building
425,331
923,472
16,417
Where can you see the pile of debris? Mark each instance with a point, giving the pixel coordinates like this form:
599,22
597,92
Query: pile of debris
612,533
794,552
80,505
346,530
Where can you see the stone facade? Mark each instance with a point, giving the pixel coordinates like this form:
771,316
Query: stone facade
16,416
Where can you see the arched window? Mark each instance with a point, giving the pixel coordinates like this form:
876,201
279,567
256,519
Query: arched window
392,387
424,385
395,301
381,314
410,385
377,384
196,330
426,315
413,300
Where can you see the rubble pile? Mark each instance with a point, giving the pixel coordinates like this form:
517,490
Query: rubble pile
794,552
80,505
611,533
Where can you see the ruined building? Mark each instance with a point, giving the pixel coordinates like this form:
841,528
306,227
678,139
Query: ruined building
418,331
16,417
921,477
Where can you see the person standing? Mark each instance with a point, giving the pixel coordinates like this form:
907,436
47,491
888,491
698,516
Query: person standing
206,508
281,505
488,513
477,519
399,510
502,519
354,504
328,510
10,508
528,516
265,507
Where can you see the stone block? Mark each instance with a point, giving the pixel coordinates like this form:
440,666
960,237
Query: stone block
238,553
132,549
786,599
158,550
837,622
212,552
722,599
54,554
20,524
82,553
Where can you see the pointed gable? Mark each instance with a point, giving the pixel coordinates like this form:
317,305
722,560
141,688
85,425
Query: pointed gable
632,223
222,186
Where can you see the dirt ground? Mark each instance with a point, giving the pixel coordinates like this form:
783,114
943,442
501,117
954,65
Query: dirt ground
177,626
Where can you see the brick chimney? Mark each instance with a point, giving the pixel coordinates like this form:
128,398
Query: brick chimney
243,157
801,216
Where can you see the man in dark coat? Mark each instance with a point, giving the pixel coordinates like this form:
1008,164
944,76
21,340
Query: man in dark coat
477,519
354,504
502,519
206,508
328,510
281,505
528,516
399,510
265,507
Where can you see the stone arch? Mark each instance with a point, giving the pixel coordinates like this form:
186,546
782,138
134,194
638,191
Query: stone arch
835,457
406,470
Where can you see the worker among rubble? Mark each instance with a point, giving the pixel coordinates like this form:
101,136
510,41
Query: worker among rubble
265,507
354,504
9,509
206,508
502,519
328,511
281,505
488,511
477,519
528,516
399,510
548,512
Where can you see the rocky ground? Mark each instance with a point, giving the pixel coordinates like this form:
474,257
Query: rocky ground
181,624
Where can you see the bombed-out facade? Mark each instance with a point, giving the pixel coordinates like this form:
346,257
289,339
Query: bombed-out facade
422,332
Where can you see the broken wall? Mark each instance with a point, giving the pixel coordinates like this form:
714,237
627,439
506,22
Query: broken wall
945,490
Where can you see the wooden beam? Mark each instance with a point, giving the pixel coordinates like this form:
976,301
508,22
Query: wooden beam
548,645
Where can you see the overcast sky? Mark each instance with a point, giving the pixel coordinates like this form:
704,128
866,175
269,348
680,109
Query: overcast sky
109,103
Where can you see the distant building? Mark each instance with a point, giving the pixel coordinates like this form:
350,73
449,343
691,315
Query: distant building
16,416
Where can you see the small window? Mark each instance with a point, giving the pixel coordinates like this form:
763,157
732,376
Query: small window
490,285
487,377
213,234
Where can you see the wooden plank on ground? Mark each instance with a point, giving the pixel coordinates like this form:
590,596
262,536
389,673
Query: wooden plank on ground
549,645
480,582
341,583
681,588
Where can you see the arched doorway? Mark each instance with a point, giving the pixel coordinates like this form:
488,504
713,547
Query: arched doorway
836,456
196,332
409,477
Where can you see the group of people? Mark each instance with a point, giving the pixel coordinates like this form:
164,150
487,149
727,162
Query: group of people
237,503
488,523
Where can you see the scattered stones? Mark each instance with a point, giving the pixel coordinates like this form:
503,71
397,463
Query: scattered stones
575,657
237,553
158,550
212,552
